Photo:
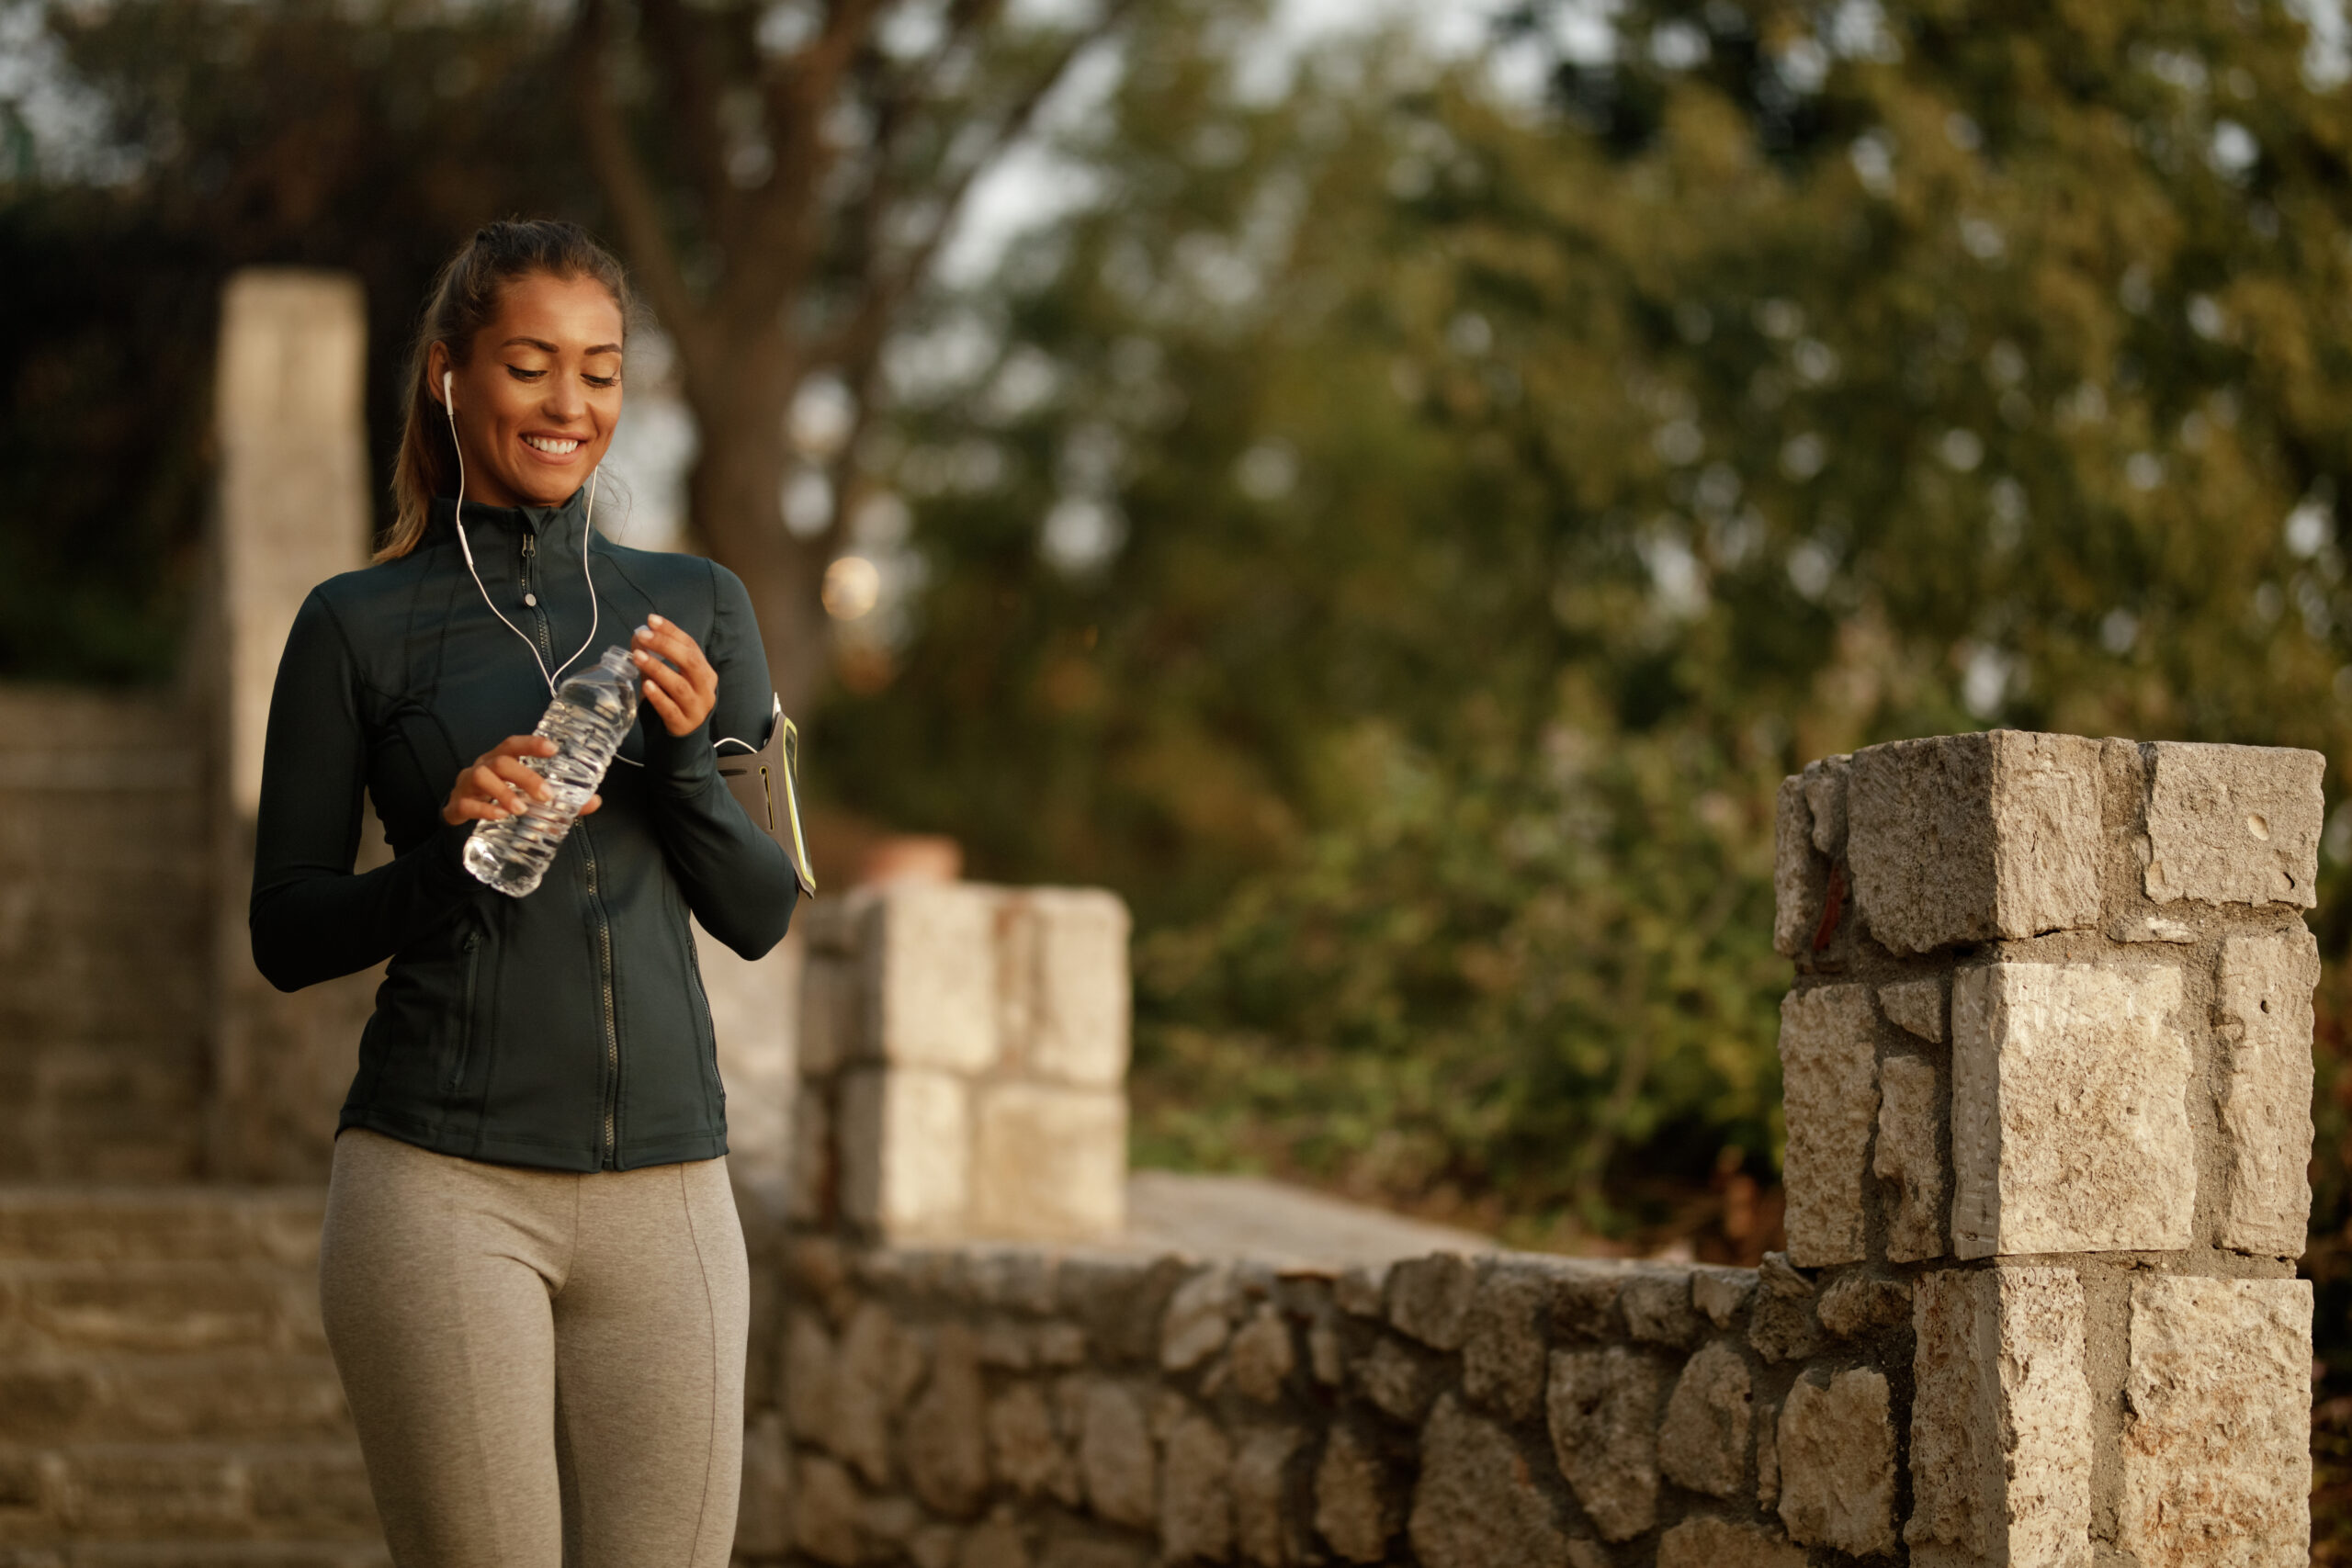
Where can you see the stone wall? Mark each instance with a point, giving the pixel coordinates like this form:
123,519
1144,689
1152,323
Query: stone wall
2048,1080
105,988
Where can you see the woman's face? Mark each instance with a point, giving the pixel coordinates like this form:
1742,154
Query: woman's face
538,398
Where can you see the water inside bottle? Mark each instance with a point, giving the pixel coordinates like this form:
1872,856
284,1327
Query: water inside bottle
589,719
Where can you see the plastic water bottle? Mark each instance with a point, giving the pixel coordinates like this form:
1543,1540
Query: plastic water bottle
587,722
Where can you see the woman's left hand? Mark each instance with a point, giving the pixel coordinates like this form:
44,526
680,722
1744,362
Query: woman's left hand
677,681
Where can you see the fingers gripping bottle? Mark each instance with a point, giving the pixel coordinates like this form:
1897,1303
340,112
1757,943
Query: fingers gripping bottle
587,721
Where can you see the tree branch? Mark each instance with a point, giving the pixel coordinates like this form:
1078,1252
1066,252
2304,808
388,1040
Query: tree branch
676,38
635,209
860,338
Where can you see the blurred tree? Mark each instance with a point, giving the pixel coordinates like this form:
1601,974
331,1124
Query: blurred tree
1790,378
183,139
782,175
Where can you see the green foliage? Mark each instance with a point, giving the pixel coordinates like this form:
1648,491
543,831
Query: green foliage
1775,391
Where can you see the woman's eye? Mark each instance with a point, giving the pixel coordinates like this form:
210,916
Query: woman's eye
522,375
600,382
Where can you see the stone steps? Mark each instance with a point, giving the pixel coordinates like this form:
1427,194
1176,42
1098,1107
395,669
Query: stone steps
107,936
165,1392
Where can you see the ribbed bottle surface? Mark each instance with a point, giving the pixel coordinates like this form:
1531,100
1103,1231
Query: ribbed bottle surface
587,721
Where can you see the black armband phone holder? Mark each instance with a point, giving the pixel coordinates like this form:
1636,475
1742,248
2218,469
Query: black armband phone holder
763,782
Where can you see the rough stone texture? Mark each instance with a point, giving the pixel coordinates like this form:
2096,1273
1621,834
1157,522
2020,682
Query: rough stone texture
1361,1291
824,1513
1916,1006
2217,1427
2233,824
1051,1163
1262,1524
1024,1450
1582,1298
1702,1444
1705,1542
1782,1326
945,1440
1658,1308
1829,1071
1602,1409
1355,1508
1909,1113
1115,1455
1824,799
1428,1298
814,1195
1720,1292
2263,1015
1262,1356
830,1014
996,1543
1502,1351
1968,838
1854,1305
905,1142
1394,1378
1479,1503
1767,1458
1836,1454
933,974
2070,1118
2001,1420
1198,1319
1078,1033
1196,1499
1800,872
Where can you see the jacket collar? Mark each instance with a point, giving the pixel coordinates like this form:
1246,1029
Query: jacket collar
552,526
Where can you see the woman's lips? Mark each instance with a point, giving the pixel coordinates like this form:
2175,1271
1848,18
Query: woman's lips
556,446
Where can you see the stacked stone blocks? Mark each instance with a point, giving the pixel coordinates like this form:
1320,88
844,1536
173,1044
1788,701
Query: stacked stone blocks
2048,1066
1070,1408
962,1056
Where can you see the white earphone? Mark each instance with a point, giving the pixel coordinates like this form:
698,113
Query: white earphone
449,406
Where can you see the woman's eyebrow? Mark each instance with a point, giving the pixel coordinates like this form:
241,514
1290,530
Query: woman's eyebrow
545,347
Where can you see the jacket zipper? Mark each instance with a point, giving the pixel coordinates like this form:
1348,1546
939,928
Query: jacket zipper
531,598
466,1031
605,978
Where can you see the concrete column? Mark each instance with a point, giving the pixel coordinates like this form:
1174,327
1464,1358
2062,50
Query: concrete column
293,510
2048,1068
963,1056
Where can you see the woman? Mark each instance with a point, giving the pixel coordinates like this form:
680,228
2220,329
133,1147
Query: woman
533,1277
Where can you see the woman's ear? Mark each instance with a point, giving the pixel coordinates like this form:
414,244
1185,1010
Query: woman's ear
437,370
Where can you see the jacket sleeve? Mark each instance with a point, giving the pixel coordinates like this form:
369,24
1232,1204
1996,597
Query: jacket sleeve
737,880
311,918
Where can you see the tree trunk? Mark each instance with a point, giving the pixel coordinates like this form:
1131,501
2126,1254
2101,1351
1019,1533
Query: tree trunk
736,492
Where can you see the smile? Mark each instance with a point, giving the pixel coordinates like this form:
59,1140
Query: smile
553,446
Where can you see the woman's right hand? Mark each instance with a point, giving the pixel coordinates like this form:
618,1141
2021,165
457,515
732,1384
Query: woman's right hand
498,783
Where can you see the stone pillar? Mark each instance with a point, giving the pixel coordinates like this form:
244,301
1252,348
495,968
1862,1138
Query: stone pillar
2048,1068
293,510
963,1056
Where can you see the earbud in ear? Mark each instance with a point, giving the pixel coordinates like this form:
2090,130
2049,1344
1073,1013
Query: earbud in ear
449,397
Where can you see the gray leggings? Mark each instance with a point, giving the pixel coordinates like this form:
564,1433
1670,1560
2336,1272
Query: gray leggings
546,1370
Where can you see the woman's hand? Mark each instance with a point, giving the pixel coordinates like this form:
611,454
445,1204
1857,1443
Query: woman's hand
682,690
499,784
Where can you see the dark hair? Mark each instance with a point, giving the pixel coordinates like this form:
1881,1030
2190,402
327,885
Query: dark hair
464,299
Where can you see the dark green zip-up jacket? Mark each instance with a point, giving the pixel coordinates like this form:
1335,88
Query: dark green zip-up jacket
567,1028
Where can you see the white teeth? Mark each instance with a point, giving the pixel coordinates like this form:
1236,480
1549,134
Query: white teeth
554,448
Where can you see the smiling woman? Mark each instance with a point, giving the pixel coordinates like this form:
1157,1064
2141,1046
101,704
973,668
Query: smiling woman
535,409
532,1276
521,356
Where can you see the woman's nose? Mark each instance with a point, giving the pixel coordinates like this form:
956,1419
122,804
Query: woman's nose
565,401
